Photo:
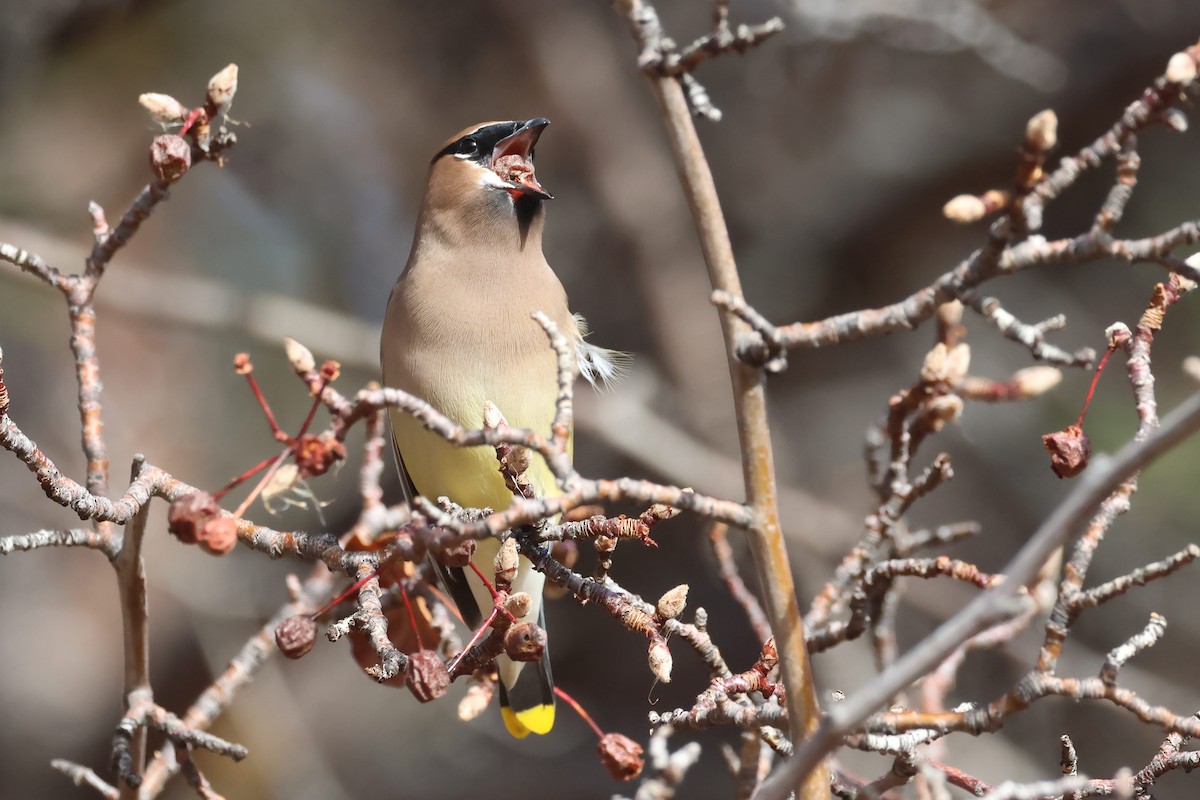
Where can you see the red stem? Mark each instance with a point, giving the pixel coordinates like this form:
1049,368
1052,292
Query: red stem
487,623
412,618
250,473
1092,389
566,698
312,412
262,402
354,587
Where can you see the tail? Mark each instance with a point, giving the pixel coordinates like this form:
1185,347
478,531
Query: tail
527,706
527,701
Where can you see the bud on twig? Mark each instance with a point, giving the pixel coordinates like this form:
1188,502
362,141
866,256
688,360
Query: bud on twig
222,87
621,756
967,208
506,562
660,660
170,157
1041,133
672,603
943,409
518,604
457,554
1191,366
949,364
1037,380
958,361
163,109
295,635
300,357
1181,69
1117,335
964,209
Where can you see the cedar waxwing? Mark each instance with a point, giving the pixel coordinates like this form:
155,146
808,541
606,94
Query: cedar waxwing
458,333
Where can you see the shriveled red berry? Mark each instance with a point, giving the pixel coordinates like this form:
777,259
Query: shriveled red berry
621,756
427,677
1069,451
525,641
219,536
190,513
295,635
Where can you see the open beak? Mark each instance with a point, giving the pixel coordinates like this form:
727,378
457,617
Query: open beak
512,160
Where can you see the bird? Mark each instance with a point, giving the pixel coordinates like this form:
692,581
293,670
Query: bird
458,333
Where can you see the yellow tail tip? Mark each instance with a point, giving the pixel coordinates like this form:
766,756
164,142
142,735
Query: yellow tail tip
539,719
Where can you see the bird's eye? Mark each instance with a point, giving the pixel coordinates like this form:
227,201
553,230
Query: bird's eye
467,147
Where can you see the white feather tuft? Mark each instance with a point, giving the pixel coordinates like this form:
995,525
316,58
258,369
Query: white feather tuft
599,366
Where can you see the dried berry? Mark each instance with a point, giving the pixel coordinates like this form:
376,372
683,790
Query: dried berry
219,535
316,454
427,677
170,157
513,168
295,635
525,642
1069,451
457,554
621,756
189,514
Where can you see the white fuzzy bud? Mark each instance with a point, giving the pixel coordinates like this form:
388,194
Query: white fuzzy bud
222,87
660,661
163,109
1041,132
518,604
1181,69
507,561
300,357
672,603
964,209
1034,381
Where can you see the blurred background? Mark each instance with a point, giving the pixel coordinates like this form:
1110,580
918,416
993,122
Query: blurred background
842,138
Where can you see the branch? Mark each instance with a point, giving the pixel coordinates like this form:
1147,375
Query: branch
994,605
765,535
